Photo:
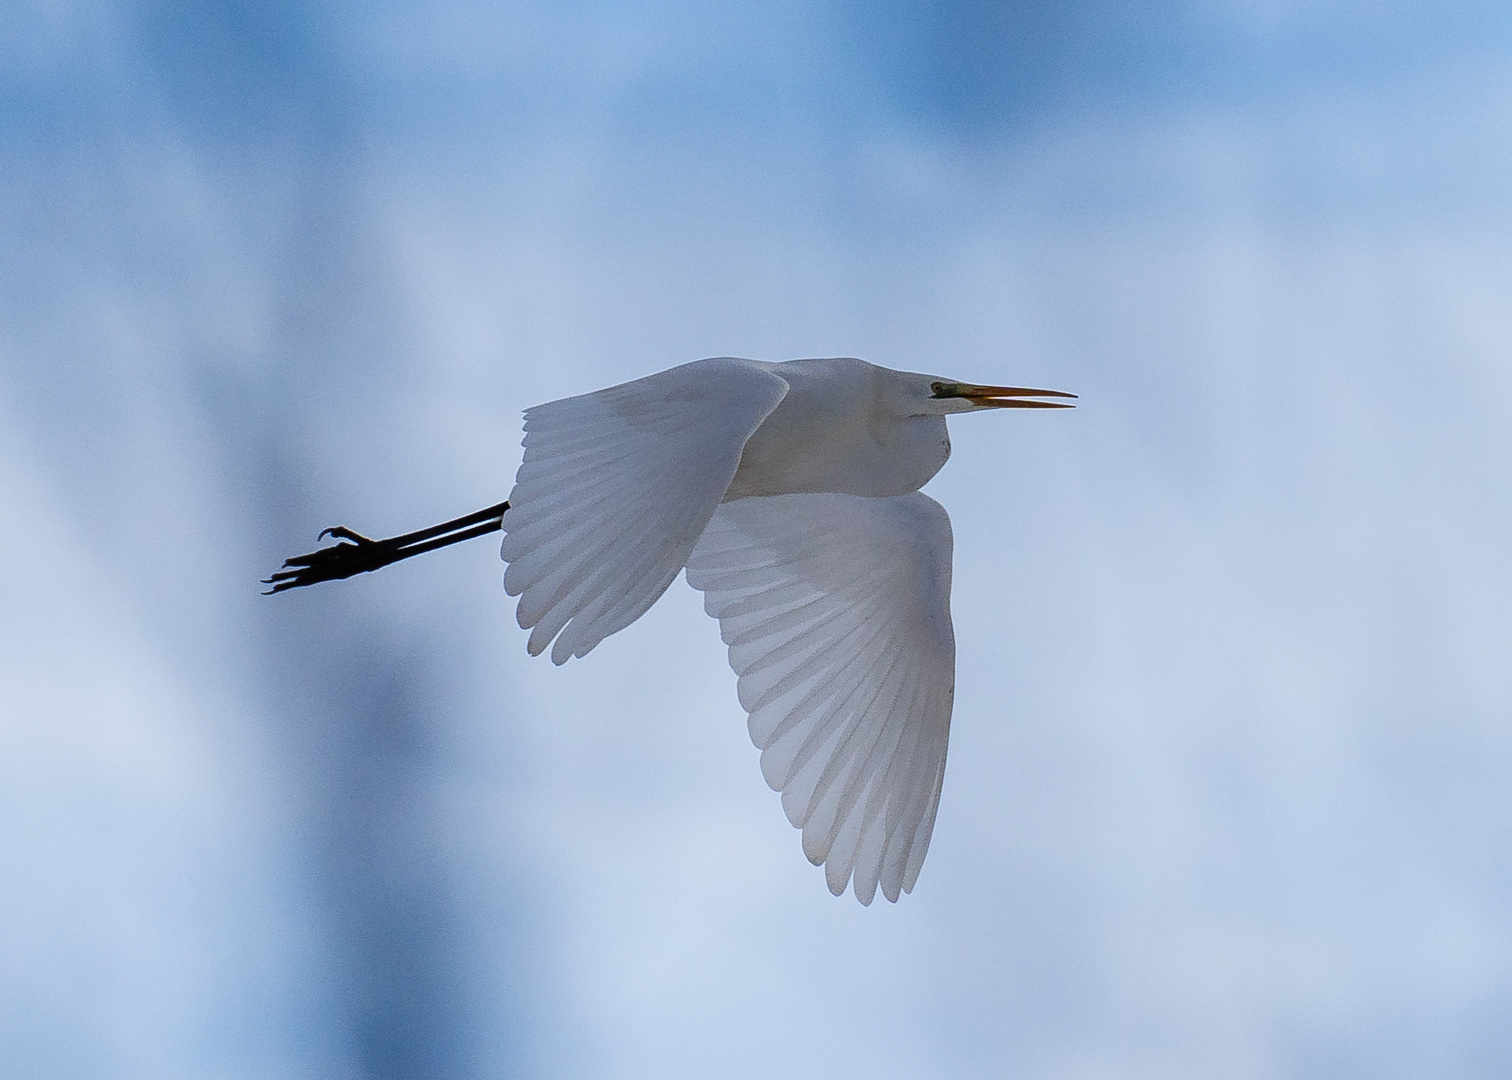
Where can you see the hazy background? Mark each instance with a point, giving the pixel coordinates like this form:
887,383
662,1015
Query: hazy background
1231,768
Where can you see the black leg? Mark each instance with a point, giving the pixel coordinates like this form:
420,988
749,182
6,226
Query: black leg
356,554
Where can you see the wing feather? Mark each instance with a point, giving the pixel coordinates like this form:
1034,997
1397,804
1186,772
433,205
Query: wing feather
836,611
614,490
835,789
829,695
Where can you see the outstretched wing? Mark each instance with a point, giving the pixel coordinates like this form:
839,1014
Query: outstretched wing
836,609
614,490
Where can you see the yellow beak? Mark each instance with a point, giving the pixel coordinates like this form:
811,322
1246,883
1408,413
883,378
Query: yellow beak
1000,397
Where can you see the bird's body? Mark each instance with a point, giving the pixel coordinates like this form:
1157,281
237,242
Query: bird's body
788,492
843,426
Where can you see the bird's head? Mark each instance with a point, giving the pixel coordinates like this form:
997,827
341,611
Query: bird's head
954,397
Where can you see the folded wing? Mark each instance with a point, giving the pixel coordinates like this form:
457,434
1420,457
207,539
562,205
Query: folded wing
836,611
614,491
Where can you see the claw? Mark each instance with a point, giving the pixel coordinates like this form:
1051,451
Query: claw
341,532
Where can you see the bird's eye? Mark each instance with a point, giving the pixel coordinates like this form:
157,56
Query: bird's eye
937,389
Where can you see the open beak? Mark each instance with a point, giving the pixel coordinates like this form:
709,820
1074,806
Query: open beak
1001,397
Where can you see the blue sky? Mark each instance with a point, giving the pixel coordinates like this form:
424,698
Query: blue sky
1228,791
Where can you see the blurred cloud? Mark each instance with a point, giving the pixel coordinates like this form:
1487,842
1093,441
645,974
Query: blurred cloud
1228,786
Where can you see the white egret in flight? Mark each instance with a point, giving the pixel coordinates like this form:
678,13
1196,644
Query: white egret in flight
788,493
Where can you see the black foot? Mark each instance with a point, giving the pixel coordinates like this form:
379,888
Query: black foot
329,563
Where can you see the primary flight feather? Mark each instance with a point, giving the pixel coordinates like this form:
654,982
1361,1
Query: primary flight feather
788,493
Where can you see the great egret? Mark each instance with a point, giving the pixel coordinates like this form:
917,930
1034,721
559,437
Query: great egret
788,493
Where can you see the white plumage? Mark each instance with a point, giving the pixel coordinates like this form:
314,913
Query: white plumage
789,493
836,609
